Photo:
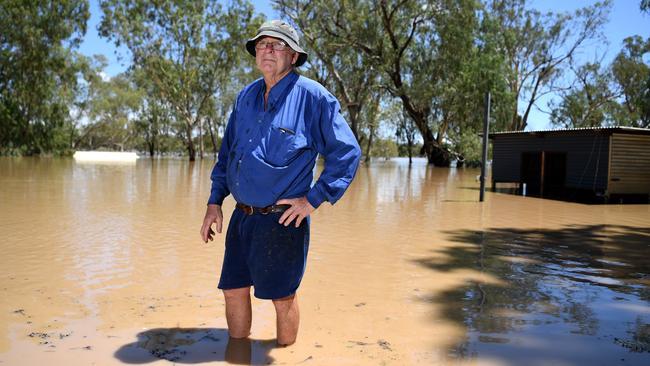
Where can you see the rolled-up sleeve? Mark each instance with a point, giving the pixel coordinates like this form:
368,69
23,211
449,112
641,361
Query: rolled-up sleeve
334,141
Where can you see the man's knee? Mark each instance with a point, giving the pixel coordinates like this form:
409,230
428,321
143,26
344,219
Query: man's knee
236,294
285,302
289,298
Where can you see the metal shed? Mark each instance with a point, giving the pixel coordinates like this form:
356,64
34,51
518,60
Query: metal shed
603,161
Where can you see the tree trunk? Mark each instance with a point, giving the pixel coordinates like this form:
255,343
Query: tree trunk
372,119
190,144
151,149
369,146
409,145
436,155
460,162
154,140
212,137
353,114
72,142
533,99
515,123
201,138
442,129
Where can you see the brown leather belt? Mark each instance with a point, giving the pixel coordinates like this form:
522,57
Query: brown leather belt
249,210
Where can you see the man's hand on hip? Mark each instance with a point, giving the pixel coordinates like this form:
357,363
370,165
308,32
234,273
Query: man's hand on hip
299,210
214,215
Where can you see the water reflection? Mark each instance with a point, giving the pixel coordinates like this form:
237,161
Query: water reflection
557,294
407,268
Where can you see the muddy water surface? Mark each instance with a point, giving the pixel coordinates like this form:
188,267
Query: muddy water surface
102,264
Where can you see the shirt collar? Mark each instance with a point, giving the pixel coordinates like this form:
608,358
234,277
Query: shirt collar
279,89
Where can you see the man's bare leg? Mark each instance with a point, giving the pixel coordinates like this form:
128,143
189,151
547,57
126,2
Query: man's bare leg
238,311
288,319
238,351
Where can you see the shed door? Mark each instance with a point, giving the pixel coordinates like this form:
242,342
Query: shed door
554,178
531,172
544,173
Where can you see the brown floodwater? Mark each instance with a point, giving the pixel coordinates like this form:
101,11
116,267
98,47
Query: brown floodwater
103,264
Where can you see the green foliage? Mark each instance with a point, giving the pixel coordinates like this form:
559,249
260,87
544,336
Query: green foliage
406,132
470,148
589,102
538,47
632,76
38,73
413,46
339,67
415,71
439,58
384,148
188,50
110,114
403,150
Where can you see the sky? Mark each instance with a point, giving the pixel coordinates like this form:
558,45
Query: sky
625,20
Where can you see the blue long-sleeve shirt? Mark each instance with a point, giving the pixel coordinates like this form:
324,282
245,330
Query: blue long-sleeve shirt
270,154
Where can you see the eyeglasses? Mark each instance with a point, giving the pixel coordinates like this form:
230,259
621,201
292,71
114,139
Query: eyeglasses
276,46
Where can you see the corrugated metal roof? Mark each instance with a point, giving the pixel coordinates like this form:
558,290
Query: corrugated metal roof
623,129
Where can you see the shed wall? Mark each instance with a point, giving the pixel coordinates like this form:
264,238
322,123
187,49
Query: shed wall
587,157
630,164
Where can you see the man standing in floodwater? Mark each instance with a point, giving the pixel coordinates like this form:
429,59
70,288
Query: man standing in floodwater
278,126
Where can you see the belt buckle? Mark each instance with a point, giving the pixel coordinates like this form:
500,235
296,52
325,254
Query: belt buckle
265,210
248,210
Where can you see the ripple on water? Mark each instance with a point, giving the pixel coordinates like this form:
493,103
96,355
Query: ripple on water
512,280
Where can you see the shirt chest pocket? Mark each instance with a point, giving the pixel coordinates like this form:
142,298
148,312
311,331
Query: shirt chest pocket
284,144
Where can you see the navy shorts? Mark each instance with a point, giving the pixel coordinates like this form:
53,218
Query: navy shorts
264,254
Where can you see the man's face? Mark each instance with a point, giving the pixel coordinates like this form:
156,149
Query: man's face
271,62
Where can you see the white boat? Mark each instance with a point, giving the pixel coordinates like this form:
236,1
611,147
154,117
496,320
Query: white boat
105,156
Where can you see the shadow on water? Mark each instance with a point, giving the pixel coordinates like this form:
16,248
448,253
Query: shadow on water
575,295
195,345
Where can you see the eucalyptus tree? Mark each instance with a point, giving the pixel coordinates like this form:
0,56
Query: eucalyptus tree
371,115
111,113
88,85
469,65
147,124
401,41
334,62
589,102
632,76
539,47
38,72
406,131
472,63
220,106
153,121
440,57
188,49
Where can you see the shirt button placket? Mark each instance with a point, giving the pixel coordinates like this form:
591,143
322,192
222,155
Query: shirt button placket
238,167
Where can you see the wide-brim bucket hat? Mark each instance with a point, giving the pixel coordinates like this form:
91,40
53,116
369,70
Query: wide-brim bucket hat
282,30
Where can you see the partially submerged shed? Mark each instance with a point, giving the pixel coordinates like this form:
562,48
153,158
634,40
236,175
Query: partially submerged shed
605,162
